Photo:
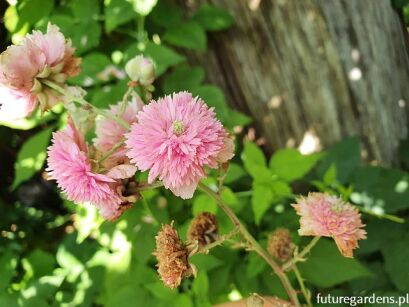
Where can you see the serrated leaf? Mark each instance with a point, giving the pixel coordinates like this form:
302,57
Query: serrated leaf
255,162
289,164
188,35
261,201
31,156
213,18
326,267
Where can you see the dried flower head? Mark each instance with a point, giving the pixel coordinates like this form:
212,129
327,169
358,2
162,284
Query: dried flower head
203,229
328,216
24,67
280,245
172,256
175,138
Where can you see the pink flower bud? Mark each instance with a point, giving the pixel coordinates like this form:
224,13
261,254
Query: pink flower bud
141,70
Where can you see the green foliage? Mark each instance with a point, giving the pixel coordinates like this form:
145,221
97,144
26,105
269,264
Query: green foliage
31,156
326,267
69,256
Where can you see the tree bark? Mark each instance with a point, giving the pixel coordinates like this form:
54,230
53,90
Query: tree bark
329,68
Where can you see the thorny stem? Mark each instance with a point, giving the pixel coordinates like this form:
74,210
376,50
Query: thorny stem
304,290
205,249
83,102
254,245
300,256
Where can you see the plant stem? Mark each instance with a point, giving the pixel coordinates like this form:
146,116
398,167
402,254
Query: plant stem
390,217
83,102
304,290
253,244
205,249
111,151
149,186
300,256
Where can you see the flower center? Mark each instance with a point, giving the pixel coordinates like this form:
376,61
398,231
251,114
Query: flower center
178,127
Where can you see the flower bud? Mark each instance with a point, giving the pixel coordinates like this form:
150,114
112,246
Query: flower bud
141,70
280,245
203,229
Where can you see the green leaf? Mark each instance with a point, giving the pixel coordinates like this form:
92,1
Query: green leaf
255,163
234,173
92,64
346,156
261,201
163,56
84,35
280,190
32,11
166,14
396,255
161,292
188,35
289,164
213,18
42,262
8,263
255,265
143,7
205,262
204,203
85,9
326,267
201,285
381,189
177,81
31,156
330,175
117,12
109,94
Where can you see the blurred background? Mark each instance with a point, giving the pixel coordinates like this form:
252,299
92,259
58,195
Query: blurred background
316,94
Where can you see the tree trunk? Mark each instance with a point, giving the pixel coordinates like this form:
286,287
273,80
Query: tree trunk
329,68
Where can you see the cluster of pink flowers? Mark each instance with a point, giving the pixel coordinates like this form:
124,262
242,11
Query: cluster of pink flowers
328,216
70,165
24,67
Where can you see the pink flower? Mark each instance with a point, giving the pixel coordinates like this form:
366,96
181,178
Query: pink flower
109,132
175,138
328,216
69,164
23,68
227,151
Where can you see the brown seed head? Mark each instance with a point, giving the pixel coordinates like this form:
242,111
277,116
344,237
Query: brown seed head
172,256
203,229
280,245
